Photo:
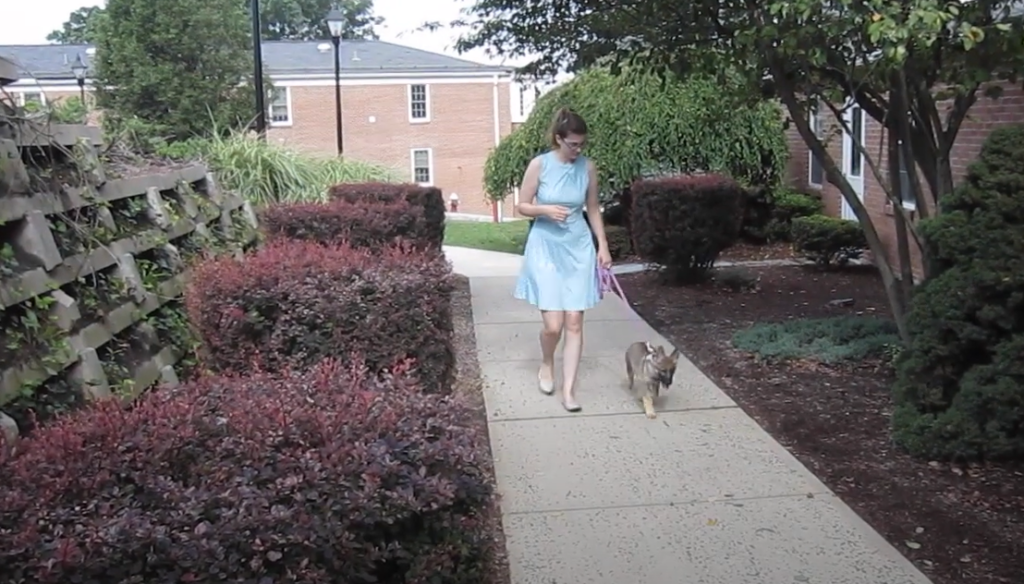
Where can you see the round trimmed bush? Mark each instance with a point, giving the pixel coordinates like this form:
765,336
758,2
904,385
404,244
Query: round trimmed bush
787,206
683,223
830,242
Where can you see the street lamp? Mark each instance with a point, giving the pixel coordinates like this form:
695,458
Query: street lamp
79,69
257,54
335,23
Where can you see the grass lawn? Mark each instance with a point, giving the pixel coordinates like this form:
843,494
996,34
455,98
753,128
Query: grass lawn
507,237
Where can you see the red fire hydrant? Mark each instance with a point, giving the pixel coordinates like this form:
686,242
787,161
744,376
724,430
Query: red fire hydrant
453,203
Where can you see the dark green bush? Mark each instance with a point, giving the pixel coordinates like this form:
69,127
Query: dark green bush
828,340
757,213
619,244
683,223
787,206
830,242
960,380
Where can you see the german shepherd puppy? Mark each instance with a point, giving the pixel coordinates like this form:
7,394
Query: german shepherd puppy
654,370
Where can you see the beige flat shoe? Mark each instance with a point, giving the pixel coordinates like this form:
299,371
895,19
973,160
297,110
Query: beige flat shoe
546,387
571,406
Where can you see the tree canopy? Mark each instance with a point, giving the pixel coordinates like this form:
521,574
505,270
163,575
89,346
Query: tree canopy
280,19
79,29
915,66
179,67
303,20
640,126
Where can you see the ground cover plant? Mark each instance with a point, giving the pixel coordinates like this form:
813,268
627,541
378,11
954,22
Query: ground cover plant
827,340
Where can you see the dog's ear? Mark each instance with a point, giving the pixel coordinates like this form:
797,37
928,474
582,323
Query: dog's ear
659,351
674,356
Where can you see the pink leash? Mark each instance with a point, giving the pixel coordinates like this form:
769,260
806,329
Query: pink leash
609,283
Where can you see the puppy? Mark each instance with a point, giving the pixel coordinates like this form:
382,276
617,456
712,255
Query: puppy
654,370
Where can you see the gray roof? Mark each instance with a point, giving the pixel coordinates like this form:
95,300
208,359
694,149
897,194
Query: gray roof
53,62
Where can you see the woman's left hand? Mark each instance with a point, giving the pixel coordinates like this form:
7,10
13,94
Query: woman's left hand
604,258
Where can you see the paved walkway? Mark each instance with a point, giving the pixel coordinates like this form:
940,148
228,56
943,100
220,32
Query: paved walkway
700,495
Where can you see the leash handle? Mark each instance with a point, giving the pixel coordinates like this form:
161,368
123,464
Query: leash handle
609,283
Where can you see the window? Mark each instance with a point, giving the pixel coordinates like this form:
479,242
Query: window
423,166
523,99
280,108
32,97
419,104
816,170
856,141
906,190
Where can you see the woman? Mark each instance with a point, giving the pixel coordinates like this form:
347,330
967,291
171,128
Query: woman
559,274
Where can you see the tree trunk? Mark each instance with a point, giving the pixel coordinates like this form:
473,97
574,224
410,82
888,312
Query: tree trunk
798,115
902,241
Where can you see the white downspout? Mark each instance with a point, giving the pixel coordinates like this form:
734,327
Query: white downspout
497,135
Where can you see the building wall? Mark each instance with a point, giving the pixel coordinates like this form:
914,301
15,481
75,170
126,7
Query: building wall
376,127
985,116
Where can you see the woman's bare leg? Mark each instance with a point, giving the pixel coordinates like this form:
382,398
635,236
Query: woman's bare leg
550,334
572,351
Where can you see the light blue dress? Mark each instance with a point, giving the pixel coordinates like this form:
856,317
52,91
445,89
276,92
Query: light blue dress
560,263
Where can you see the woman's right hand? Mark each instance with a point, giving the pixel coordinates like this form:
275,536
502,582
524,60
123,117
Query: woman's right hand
556,212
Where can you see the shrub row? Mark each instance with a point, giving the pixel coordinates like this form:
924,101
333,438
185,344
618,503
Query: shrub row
683,223
363,225
429,199
294,303
327,475
322,446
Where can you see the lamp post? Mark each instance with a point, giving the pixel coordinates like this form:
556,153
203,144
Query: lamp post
79,69
335,23
257,53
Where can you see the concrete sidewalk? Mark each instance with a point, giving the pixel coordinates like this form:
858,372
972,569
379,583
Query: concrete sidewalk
700,495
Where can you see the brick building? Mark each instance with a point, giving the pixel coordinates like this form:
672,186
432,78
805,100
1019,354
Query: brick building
806,174
432,117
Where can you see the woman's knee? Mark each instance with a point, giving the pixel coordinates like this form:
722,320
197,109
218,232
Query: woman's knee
573,322
552,323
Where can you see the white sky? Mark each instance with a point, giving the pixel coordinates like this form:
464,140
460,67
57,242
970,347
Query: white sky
400,18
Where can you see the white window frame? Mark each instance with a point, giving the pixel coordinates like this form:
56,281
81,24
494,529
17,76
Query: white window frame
426,101
815,121
40,93
430,165
520,110
908,205
287,91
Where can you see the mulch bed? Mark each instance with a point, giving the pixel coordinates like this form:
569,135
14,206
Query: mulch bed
741,252
745,252
469,386
960,524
